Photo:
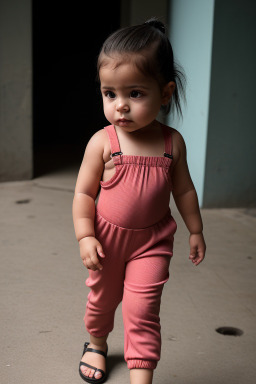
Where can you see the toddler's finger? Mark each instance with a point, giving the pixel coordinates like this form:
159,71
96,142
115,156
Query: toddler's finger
86,264
199,258
192,255
90,264
100,251
196,262
96,263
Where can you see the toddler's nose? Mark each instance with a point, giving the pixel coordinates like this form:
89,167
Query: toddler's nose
122,106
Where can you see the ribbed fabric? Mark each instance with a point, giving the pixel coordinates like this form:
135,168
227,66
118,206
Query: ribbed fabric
134,225
141,364
141,184
146,161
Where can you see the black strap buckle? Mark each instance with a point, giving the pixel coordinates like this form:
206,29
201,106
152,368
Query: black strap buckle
169,156
116,154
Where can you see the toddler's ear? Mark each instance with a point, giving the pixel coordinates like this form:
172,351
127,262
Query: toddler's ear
167,92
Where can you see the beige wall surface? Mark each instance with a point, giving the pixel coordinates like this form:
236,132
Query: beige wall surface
16,160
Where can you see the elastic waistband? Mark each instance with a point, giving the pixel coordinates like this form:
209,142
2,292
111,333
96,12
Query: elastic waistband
166,217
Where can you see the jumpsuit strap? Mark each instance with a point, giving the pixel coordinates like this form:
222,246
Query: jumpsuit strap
168,141
114,143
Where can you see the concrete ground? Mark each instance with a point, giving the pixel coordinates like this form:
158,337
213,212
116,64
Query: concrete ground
43,295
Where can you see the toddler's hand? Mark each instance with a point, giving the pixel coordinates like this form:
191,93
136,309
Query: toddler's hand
197,248
90,249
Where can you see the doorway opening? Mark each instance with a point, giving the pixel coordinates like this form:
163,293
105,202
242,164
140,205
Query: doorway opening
67,107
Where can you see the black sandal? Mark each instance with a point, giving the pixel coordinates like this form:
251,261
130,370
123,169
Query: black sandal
93,379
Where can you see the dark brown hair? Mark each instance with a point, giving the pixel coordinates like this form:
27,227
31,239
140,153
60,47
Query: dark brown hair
154,56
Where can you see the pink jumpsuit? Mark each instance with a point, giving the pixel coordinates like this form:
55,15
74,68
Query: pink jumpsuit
134,225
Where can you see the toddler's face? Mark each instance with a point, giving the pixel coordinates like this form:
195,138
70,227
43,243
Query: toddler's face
131,100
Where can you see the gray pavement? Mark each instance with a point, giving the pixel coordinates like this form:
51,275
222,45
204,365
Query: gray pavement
43,294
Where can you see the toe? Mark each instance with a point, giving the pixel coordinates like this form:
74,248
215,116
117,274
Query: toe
97,375
91,373
84,370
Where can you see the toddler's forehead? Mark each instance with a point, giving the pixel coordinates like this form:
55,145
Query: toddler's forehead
138,64
117,59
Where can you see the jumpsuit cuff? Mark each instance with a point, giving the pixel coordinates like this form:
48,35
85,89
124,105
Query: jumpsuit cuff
98,334
141,364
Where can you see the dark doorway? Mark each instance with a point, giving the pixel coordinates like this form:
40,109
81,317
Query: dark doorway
67,106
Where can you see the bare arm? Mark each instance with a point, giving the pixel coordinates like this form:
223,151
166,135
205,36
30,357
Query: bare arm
186,200
86,190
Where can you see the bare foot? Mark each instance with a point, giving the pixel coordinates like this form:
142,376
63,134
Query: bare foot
94,359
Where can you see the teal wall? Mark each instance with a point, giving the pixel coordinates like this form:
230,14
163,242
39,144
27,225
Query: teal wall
214,41
230,176
191,29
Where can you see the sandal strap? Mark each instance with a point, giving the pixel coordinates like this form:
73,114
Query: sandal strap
94,368
96,351
86,349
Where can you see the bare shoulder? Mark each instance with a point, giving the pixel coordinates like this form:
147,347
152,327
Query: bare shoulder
92,166
178,144
97,141
98,145
101,137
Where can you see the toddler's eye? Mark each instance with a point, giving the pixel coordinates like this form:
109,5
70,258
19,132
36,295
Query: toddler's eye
135,94
110,94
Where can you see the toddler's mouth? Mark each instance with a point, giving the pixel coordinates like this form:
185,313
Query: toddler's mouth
124,122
